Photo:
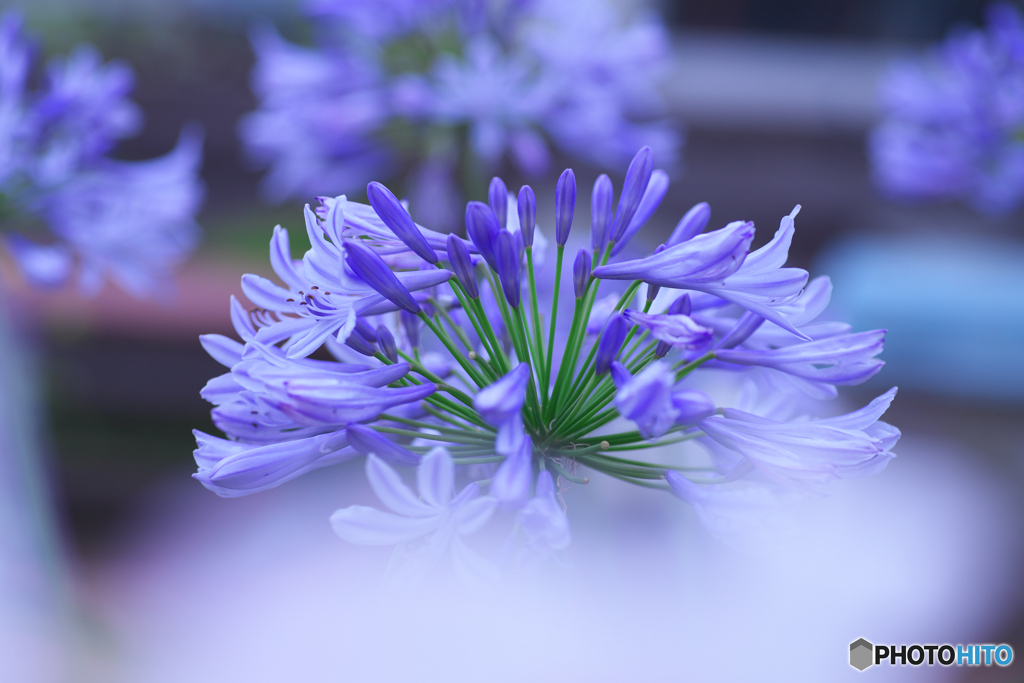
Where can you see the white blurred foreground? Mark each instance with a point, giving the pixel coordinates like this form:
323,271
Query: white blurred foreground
258,588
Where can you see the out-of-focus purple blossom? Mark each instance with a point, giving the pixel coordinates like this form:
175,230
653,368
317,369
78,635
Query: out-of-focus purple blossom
953,119
131,222
523,81
437,514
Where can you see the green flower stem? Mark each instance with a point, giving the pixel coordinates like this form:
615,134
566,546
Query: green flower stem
447,438
579,325
586,411
462,360
429,425
450,419
476,316
494,347
478,460
603,465
636,344
690,367
660,486
554,320
441,384
520,337
556,393
641,446
538,333
439,307
499,296
519,342
585,368
458,409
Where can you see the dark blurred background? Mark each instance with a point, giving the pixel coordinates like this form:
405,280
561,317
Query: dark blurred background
123,380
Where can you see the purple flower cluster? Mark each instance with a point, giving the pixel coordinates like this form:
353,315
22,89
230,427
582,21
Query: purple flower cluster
444,86
445,359
953,121
130,221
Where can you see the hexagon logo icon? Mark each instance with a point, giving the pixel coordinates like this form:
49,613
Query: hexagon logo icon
862,654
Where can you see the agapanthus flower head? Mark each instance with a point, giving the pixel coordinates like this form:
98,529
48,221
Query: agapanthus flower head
953,119
480,80
132,222
473,377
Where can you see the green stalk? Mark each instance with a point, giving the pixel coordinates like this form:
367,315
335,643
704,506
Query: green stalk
554,319
556,393
447,341
538,334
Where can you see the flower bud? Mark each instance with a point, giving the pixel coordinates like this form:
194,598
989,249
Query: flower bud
565,205
633,188
411,324
386,342
580,272
497,198
690,225
509,268
681,306
527,207
371,269
394,215
482,228
600,214
610,344
462,265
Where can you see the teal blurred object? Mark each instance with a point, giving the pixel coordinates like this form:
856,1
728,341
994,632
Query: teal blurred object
953,305
36,606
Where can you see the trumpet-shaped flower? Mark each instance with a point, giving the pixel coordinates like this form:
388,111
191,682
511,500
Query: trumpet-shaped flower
517,391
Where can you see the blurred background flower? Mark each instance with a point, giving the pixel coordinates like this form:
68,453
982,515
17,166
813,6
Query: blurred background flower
778,98
442,93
